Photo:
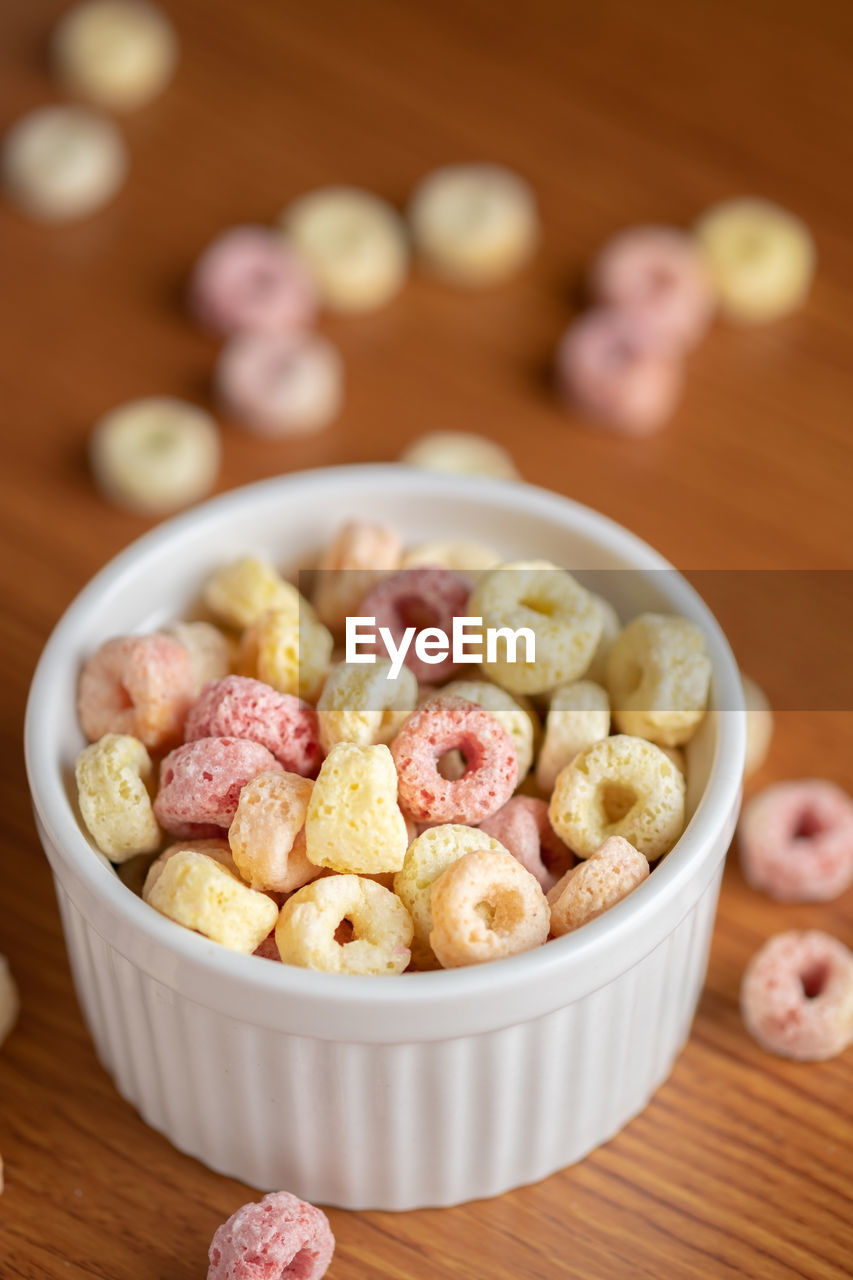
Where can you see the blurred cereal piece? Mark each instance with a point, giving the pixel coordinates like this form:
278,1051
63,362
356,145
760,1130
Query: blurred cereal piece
119,54
245,588
62,162
280,384
759,726
462,557
250,280
796,840
761,259
796,997
658,678
138,685
9,1005
207,647
354,242
473,224
358,555
462,453
155,455
289,650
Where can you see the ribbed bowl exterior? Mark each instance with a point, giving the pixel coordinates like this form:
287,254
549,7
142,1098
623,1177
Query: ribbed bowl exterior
391,1126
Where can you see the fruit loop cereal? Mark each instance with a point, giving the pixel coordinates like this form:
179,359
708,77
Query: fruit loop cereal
470,558
345,924
201,894
520,722
578,715
265,834
241,592
796,996
610,628
277,1238
452,724
60,163
280,384
362,704
120,54
288,650
357,557
460,453
240,707
200,782
353,821
621,786
138,685
658,676
207,648
249,280
522,827
114,802
796,841
589,889
536,597
486,906
415,605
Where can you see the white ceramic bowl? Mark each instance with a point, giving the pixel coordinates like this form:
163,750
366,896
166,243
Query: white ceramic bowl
391,1093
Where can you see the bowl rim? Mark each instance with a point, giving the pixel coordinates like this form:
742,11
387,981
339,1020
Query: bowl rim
584,949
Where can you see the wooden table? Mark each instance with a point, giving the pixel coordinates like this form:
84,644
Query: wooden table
617,113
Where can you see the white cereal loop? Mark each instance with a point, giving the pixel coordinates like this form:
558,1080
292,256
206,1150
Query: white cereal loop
288,649
591,888
265,833
610,628
120,54
518,722
759,726
210,656
61,163
547,600
761,259
353,822
485,906
345,924
9,1007
622,786
461,557
658,677
114,801
199,893
242,590
354,242
460,453
473,224
578,715
362,704
356,558
155,455
427,857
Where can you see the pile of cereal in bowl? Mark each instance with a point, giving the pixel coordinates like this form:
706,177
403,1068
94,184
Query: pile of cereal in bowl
431,759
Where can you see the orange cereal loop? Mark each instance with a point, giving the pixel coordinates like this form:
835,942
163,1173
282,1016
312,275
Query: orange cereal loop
345,924
591,888
137,685
358,555
264,835
486,906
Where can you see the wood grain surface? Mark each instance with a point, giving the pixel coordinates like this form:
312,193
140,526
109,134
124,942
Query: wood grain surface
617,112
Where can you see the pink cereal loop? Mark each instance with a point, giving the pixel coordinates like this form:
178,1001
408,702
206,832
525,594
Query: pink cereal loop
200,782
450,724
277,1238
240,707
425,597
796,841
523,828
249,279
796,997
138,685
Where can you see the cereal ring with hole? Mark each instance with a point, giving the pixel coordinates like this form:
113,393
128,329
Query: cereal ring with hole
359,554
250,280
486,906
759,726
518,721
264,835
578,715
216,848
431,853
200,893
114,802
207,647
240,592
522,827
426,600
796,841
136,685
460,453
607,370
452,724
355,244
9,1006
288,650
120,54
240,707
280,384
62,162
591,888
200,782
658,275
622,786
277,1238
611,625
658,678
563,617
353,821
470,558
796,997
761,259
473,224
345,924
362,704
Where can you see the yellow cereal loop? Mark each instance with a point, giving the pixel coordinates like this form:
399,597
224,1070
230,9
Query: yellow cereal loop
622,786
264,833
459,556
353,821
578,715
537,596
345,924
217,849
199,893
288,649
360,703
114,801
517,721
428,856
658,677
241,591
610,628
